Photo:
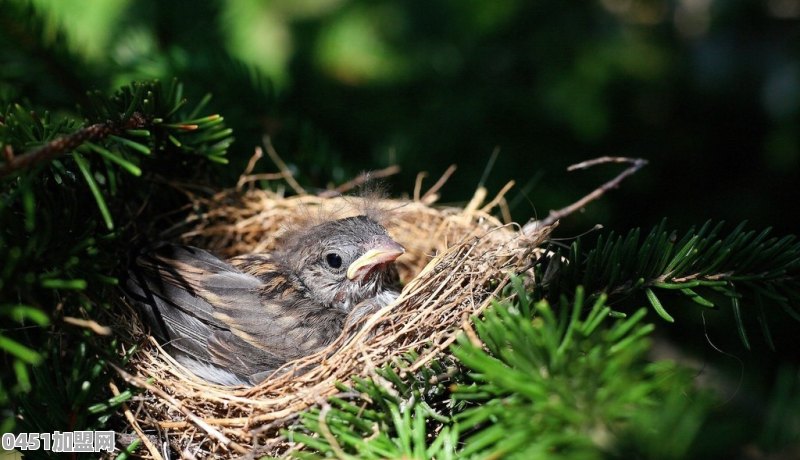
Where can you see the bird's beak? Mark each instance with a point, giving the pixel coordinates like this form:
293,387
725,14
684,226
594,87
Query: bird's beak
385,252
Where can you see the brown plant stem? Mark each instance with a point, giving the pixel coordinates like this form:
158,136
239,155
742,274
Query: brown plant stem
635,165
64,144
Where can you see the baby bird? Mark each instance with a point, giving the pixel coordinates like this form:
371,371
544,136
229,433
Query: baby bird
234,322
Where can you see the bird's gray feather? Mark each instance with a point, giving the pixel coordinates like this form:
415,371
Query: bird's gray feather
236,321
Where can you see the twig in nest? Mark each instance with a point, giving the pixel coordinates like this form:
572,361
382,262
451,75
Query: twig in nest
275,424
469,331
68,143
285,171
360,180
448,374
197,421
92,325
635,165
326,432
254,177
431,193
499,198
258,153
247,176
135,425
418,184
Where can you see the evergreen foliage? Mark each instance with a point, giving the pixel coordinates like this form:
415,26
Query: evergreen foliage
533,381
744,265
73,190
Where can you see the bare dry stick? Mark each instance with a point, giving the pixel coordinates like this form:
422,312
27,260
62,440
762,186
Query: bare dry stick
185,454
469,331
255,177
475,202
607,159
251,164
439,183
359,180
287,173
326,432
275,424
92,325
258,153
498,198
635,165
418,184
197,421
287,413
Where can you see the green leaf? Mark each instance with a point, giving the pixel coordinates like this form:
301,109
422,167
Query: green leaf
98,196
697,298
128,451
737,315
141,148
115,158
21,312
54,283
651,296
23,377
20,351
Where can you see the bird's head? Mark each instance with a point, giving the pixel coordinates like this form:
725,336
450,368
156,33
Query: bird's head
343,262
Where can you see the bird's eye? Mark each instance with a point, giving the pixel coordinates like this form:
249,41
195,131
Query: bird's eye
334,260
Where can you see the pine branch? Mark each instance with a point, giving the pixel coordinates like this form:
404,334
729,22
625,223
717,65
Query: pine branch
701,266
564,382
65,144
60,256
531,381
393,415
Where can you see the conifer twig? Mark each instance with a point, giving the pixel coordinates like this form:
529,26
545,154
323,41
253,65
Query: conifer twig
64,144
635,165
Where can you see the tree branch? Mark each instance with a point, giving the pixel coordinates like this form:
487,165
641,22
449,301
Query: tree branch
64,144
635,165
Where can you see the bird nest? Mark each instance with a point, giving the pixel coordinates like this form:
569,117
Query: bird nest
457,261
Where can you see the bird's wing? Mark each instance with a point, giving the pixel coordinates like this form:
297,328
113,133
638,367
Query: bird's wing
180,289
240,316
291,323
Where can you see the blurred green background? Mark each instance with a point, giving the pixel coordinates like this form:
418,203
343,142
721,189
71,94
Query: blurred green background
707,90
